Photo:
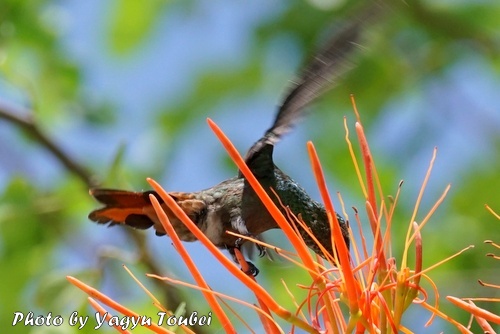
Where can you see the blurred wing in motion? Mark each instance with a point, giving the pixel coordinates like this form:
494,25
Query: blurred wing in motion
321,73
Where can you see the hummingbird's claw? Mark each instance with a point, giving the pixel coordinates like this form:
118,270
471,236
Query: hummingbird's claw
253,270
262,250
239,242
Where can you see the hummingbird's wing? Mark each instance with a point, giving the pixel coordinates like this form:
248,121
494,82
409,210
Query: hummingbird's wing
319,75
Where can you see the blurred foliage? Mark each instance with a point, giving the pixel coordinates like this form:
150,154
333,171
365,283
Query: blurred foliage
131,22
420,39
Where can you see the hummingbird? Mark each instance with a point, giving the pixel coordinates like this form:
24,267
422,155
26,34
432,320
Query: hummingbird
232,205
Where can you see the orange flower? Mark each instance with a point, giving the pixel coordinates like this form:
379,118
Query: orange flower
360,292
481,315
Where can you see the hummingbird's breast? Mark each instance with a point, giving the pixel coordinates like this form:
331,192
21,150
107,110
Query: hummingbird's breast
223,213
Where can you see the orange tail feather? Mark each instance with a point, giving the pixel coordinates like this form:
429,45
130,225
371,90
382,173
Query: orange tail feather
122,207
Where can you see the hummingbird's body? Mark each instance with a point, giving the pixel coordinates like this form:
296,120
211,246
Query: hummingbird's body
232,205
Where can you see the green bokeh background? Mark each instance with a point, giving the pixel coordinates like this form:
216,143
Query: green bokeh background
44,232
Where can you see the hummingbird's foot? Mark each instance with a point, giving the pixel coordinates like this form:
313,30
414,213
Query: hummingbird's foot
262,250
252,270
239,242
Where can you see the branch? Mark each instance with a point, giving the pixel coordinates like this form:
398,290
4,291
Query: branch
23,119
